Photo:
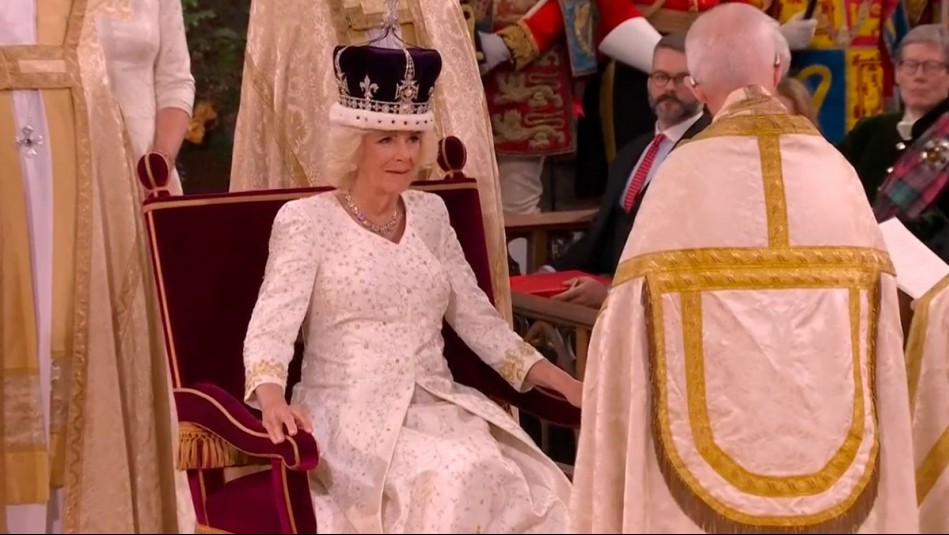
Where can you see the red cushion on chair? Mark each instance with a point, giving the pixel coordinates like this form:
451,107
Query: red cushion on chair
245,505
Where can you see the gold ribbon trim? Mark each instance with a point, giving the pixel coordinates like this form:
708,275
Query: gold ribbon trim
710,513
802,263
36,67
201,528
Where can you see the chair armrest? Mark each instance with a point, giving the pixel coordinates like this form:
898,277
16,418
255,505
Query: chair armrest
224,418
548,405
554,311
515,223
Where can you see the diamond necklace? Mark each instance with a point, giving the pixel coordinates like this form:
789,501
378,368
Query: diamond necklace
383,230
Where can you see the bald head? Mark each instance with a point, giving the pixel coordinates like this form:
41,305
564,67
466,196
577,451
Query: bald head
735,45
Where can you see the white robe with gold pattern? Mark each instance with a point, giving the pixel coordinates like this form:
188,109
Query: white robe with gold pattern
746,374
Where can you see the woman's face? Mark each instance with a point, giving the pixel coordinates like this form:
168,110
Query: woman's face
390,160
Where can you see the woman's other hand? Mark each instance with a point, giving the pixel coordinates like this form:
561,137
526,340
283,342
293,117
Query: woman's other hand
549,375
280,419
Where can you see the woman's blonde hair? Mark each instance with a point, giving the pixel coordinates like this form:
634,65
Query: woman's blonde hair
795,91
344,152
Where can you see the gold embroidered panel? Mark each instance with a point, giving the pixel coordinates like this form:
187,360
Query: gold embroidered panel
716,479
355,18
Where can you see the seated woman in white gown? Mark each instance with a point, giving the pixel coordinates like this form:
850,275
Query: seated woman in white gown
371,271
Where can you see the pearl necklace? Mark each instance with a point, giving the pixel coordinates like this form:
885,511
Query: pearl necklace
382,230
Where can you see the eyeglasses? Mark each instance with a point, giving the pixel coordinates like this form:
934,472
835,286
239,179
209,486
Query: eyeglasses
661,79
929,67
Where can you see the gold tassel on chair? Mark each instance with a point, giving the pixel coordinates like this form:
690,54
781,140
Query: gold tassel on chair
200,449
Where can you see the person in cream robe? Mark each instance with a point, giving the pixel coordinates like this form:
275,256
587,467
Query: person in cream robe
288,87
746,373
927,369
150,72
84,434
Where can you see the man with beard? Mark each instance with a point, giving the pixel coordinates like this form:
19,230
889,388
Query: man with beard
679,116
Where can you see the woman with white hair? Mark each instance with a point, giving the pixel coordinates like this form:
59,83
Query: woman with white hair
371,271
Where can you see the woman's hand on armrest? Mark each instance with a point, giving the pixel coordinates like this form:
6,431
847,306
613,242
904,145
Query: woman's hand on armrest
546,374
277,415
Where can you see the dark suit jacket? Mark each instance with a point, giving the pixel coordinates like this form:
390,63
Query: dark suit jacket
599,250
871,147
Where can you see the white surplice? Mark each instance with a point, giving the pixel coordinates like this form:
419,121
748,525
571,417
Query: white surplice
405,449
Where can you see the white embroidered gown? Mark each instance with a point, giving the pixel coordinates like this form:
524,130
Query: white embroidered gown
404,448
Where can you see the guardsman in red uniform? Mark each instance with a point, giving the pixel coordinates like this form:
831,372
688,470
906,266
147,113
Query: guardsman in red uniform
533,54
615,106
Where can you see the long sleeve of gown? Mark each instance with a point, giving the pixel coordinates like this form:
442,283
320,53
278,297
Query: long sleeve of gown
475,320
283,299
174,83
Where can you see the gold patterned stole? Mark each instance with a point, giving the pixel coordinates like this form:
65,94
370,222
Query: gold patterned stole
32,465
354,19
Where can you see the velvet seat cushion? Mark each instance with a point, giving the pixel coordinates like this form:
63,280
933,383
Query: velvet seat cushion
245,505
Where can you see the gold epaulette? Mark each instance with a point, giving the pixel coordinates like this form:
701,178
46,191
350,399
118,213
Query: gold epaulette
521,43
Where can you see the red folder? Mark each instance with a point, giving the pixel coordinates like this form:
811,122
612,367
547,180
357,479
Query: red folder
549,284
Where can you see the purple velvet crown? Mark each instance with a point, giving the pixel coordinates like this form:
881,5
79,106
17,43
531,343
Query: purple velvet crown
385,88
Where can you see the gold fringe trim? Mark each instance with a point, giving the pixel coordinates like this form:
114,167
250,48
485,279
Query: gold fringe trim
201,528
199,449
693,505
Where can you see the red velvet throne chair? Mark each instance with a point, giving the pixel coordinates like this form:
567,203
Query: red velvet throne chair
209,254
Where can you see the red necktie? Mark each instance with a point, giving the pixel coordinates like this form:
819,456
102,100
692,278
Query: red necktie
642,172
